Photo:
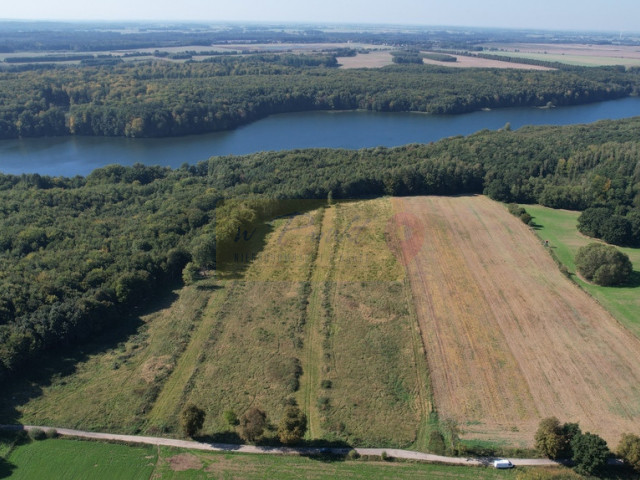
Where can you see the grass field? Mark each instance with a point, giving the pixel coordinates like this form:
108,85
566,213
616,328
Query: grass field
323,314
583,60
76,460
73,459
372,351
559,227
509,339
110,386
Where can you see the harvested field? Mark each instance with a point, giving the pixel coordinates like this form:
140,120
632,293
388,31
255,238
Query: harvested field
572,54
509,339
366,60
464,61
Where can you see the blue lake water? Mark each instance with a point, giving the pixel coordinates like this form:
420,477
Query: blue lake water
69,156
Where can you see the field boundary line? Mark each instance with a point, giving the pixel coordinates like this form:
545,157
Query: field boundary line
227,447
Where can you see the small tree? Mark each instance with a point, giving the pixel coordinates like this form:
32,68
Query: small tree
293,425
550,440
590,453
603,264
629,450
191,420
231,418
252,424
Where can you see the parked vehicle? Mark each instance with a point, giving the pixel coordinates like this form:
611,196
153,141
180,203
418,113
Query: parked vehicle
502,464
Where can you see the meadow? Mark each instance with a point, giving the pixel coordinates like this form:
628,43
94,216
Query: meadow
74,459
559,228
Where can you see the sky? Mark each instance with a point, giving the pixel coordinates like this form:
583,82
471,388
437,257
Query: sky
613,15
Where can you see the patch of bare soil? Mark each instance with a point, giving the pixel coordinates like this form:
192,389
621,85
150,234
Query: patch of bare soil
184,461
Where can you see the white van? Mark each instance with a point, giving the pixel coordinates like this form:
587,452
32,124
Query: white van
502,464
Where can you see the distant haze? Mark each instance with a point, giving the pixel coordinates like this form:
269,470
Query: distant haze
612,15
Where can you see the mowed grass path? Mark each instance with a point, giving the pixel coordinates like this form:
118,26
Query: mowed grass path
559,227
80,460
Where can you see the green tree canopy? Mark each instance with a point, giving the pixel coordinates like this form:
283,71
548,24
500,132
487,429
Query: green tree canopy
293,425
590,453
192,420
550,439
603,264
253,424
629,450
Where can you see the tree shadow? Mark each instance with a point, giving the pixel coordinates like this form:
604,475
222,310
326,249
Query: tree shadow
55,365
228,438
6,468
235,257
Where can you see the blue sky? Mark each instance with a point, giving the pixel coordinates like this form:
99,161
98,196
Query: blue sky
615,15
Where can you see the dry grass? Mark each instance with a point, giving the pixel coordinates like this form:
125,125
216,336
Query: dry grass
509,340
249,358
572,54
374,59
379,392
464,61
112,388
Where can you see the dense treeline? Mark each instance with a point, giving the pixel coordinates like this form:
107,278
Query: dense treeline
162,99
77,252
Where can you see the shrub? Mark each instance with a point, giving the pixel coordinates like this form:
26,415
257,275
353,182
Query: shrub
323,403
436,443
191,420
253,424
353,455
629,450
326,384
37,434
231,418
293,426
603,264
51,433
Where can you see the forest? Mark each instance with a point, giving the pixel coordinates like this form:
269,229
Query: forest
77,254
158,98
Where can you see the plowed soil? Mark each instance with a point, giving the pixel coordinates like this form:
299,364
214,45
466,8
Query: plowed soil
509,340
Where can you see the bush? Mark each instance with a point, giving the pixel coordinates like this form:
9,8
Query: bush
191,420
293,426
629,450
353,455
253,424
231,418
37,434
436,443
51,433
326,384
603,264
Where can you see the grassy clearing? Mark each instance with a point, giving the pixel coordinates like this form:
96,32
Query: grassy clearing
74,459
112,385
379,391
71,459
559,227
504,329
254,357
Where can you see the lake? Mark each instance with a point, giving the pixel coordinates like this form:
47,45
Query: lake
69,156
